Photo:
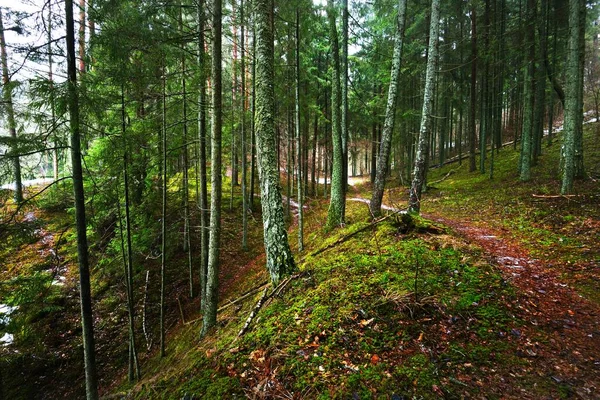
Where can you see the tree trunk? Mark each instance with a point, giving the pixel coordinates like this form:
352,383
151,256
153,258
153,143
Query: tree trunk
298,141
280,261
165,182
390,114
571,99
335,215
212,287
473,95
243,134
87,321
10,116
527,136
420,171
204,215
344,100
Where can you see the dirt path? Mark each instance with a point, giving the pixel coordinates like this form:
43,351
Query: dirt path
560,335
568,348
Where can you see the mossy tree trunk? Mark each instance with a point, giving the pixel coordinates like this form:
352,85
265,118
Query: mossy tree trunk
87,321
212,286
420,170
390,113
572,104
527,135
335,215
280,261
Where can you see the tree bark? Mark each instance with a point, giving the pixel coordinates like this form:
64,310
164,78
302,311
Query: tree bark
571,99
335,215
212,287
87,321
390,113
10,116
420,171
280,261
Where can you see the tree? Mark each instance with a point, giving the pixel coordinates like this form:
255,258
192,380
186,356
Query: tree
280,261
420,170
87,322
335,215
7,86
203,201
298,138
527,136
390,113
212,281
572,104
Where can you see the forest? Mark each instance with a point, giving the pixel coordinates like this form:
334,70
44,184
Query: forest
301,199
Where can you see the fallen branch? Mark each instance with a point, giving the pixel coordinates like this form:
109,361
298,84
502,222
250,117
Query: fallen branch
555,196
348,236
253,313
263,299
231,303
244,296
452,171
181,310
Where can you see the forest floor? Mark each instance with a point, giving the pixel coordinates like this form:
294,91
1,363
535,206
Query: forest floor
492,294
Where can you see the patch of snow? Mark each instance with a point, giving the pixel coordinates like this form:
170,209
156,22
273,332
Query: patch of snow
28,182
7,339
5,311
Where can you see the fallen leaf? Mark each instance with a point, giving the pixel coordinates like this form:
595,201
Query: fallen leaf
366,322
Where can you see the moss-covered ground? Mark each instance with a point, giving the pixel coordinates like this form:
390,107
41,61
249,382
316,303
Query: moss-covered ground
394,310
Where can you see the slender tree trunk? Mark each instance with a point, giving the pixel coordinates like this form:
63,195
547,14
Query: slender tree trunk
473,95
204,215
186,187
212,287
298,141
579,167
87,321
253,127
280,261
390,113
540,85
134,366
335,215
420,171
10,115
344,101
55,154
163,261
243,134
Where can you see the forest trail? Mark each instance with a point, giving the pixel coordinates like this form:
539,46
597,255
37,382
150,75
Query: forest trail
570,353
560,335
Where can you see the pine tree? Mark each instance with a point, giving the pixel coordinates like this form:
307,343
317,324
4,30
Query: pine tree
335,215
212,285
280,261
87,321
